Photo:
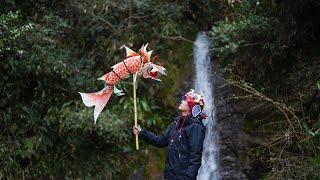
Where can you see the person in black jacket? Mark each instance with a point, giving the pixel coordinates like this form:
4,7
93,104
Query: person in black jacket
184,139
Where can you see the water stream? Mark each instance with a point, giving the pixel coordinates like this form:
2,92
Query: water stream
203,83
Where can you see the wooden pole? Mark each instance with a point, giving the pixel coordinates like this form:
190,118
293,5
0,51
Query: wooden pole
135,106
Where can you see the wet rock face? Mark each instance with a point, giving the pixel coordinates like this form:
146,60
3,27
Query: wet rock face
232,158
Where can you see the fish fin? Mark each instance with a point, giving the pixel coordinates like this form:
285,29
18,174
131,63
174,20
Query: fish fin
118,92
155,58
143,52
97,99
130,52
104,77
149,54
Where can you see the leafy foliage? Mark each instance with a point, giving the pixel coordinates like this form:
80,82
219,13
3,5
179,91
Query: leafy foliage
266,58
51,50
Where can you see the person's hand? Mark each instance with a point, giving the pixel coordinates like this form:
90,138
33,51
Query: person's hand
136,130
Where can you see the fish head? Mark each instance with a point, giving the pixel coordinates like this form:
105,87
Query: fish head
152,71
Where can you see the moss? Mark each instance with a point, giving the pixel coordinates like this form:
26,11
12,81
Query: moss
155,162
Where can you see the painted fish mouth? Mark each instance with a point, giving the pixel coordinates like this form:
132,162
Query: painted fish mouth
154,73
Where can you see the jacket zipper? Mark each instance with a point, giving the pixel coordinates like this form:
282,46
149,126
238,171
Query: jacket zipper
179,155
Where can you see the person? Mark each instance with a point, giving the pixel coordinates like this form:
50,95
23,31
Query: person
184,139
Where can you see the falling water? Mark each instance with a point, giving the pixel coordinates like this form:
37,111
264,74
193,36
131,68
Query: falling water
203,83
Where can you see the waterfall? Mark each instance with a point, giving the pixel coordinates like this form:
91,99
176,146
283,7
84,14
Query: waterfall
203,83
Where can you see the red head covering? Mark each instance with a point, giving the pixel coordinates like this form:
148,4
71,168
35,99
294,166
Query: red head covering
190,101
193,99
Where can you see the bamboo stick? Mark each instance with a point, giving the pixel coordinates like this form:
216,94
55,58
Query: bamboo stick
135,107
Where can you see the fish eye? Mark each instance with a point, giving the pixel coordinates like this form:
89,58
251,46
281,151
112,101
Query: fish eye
149,70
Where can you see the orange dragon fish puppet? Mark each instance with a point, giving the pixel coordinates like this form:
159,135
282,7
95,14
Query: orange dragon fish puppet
139,63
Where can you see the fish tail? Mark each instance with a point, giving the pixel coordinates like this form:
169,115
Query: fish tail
97,99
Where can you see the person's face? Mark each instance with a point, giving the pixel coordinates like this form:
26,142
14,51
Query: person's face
183,105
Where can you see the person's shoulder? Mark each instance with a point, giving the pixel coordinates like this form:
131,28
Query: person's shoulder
197,123
196,129
197,120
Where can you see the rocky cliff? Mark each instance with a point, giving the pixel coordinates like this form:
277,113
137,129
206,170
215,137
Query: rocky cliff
232,143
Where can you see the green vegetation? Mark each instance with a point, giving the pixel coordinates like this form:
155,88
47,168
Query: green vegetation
268,53
50,50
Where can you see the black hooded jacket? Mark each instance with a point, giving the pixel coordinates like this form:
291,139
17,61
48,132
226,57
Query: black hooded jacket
185,151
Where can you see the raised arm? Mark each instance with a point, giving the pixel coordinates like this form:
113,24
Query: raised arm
156,140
